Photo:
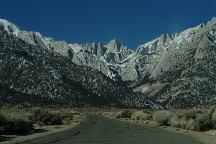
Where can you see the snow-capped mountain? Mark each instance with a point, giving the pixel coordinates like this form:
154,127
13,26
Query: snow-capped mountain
179,69
106,58
35,76
174,69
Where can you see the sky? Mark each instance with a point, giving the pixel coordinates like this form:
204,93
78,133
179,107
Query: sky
132,22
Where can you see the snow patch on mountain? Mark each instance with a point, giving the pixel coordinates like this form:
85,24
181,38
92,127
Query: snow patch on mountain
9,27
76,47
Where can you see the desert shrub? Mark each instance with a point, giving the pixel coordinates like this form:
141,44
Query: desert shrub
163,117
67,117
182,122
192,114
175,121
140,115
2,123
190,124
203,122
195,119
15,123
124,114
47,117
213,120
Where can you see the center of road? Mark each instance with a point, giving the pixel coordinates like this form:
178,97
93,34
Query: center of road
101,130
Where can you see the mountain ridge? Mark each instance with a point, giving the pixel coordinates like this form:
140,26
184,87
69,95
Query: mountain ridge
30,76
175,70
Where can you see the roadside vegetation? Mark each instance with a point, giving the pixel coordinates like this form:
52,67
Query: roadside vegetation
191,119
51,117
14,123
25,121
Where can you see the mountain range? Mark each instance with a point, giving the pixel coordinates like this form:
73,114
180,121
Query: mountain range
173,70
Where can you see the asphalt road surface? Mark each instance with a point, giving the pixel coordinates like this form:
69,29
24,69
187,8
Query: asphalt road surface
100,130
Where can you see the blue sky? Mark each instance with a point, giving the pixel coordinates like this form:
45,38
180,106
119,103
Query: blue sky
132,22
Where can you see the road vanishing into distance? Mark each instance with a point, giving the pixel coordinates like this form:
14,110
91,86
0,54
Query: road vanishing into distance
101,130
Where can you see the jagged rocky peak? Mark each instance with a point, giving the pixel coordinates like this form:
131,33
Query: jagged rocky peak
163,42
165,38
97,49
157,44
114,46
116,52
212,21
212,32
9,27
101,49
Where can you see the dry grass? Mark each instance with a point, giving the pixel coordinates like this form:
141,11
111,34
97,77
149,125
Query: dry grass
214,120
124,114
140,115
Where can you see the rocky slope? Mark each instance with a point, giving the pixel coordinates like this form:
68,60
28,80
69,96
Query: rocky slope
176,70
30,75
101,57
179,70
109,58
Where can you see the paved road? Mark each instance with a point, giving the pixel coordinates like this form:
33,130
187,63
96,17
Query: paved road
100,130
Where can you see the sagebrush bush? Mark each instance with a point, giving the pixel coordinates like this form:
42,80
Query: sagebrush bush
67,115
140,115
190,115
163,117
15,123
47,117
203,122
213,120
190,124
200,120
2,123
182,122
175,121
124,114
